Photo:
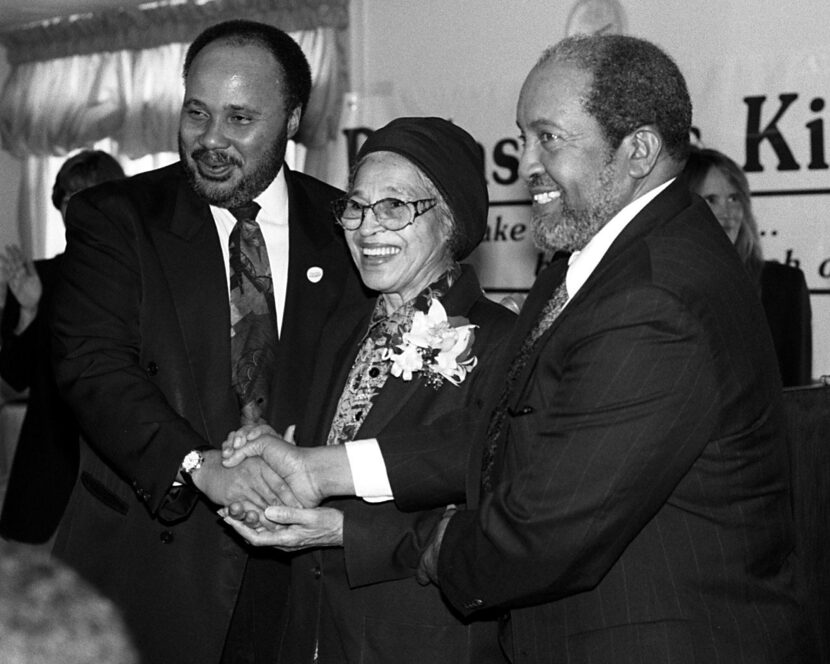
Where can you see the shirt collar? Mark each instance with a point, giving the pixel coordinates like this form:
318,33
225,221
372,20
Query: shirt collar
273,204
581,264
274,200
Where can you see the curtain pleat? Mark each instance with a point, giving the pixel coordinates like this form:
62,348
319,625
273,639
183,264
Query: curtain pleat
166,23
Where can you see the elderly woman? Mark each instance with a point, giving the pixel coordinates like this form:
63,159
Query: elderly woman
783,289
417,205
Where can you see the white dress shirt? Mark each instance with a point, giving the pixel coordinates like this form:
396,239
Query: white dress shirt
273,221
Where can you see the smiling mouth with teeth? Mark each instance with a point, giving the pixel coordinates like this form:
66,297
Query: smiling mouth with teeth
546,197
380,251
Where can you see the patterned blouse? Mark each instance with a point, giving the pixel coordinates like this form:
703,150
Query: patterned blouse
369,371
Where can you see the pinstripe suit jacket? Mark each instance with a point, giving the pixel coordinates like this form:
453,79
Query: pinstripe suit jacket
641,509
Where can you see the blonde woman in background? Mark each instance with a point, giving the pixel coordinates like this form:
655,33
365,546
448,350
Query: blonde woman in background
783,289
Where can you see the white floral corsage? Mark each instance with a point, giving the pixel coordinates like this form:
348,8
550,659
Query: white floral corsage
435,345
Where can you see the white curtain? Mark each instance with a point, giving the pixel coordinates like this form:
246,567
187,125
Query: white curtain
127,102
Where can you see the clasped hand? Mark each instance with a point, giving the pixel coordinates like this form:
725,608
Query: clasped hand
290,524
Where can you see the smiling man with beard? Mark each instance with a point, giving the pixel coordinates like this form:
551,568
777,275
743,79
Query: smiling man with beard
145,356
634,501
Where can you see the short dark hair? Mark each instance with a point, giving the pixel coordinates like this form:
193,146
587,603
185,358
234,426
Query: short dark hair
83,170
49,614
634,83
296,72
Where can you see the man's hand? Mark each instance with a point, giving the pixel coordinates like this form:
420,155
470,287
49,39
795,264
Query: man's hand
283,457
251,482
428,566
292,529
238,438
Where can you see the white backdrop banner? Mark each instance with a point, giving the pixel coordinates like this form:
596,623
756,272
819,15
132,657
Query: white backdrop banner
770,116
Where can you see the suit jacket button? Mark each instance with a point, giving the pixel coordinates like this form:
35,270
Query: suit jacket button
166,536
152,368
317,572
516,412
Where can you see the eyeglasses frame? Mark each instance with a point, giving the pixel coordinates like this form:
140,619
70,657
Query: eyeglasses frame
416,207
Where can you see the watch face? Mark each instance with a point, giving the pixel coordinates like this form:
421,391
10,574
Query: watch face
596,17
192,461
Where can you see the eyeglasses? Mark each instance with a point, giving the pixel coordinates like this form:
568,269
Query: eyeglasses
391,213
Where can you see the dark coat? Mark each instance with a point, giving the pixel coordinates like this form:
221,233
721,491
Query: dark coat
142,353
46,457
786,303
360,603
641,503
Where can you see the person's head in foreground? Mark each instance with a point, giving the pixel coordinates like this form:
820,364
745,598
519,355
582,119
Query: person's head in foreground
49,615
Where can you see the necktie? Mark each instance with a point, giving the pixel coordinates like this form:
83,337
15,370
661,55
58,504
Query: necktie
547,315
253,318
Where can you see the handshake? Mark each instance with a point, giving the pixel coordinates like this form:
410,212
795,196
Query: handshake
276,502
271,489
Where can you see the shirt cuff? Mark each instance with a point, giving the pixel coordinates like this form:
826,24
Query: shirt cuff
371,481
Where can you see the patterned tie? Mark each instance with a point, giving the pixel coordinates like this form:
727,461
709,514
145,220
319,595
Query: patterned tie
546,317
253,317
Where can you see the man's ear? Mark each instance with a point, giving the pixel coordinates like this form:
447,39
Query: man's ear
644,148
293,123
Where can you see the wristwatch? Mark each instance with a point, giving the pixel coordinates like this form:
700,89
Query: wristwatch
192,461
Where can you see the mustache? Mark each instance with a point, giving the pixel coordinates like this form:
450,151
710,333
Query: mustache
539,180
214,157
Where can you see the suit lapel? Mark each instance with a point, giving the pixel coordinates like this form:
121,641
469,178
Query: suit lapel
664,207
394,395
546,283
341,341
333,369
191,258
396,392
315,274
314,260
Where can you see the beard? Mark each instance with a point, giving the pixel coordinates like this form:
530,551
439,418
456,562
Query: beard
219,191
570,229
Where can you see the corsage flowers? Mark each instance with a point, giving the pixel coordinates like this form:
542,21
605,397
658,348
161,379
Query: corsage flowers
436,346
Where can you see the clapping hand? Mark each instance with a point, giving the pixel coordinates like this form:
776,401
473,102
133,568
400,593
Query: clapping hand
24,283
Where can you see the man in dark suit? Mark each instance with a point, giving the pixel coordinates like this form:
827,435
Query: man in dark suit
143,351
629,489
634,502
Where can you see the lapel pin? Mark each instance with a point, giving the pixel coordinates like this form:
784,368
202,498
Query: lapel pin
314,274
